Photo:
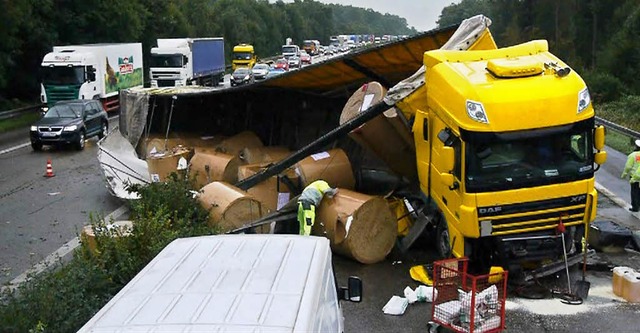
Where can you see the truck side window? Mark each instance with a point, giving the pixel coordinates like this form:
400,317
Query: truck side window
457,149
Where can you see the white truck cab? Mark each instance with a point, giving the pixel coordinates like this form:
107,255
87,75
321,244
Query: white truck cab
232,283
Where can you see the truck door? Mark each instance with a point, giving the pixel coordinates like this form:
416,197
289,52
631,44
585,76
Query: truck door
449,198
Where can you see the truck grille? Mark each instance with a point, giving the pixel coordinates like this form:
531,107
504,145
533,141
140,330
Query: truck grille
61,93
531,216
166,83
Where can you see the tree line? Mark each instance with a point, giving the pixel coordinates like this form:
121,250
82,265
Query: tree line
597,38
32,27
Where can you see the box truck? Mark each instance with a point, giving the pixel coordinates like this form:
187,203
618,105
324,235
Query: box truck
179,62
290,51
92,71
243,56
232,283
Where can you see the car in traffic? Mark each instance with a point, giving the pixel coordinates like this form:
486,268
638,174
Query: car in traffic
281,63
70,122
260,71
275,72
294,62
242,75
305,58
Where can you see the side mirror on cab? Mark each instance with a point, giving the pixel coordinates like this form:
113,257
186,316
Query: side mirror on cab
600,157
598,137
91,73
448,161
353,291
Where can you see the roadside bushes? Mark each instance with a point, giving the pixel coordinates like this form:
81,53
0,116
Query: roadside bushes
603,86
65,297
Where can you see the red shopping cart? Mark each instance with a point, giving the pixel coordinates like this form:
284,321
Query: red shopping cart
467,303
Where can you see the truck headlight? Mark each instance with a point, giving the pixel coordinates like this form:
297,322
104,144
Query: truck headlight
70,128
584,99
475,110
34,128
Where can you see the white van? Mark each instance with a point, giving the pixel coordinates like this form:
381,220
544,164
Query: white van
232,283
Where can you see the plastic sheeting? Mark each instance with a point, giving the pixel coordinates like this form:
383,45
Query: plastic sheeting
120,165
469,31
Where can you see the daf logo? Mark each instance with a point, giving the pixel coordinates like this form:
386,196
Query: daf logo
490,210
578,198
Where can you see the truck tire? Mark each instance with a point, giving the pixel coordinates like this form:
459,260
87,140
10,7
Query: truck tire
443,245
80,143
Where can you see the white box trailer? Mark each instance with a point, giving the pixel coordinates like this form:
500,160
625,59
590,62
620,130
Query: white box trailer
232,283
92,71
177,62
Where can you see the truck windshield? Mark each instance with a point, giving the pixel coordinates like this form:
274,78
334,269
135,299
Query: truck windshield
166,60
289,49
242,56
508,160
59,75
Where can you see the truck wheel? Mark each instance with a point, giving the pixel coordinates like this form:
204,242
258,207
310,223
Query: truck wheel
443,246
104,130
80,142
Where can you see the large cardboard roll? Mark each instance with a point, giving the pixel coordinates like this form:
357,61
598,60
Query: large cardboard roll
273,192
161,165
358,226
229,207
209,166
255,155
233,145
115,229
156,143
332,166
387,136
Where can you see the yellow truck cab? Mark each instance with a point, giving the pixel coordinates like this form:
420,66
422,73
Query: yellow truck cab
243,56
505,148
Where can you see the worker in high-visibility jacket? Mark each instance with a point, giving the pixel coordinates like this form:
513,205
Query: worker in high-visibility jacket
309,200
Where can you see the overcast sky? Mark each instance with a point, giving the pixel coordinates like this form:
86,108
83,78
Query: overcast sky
420,14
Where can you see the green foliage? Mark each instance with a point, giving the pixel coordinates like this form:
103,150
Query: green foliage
623,111
30,28
67,296
603,86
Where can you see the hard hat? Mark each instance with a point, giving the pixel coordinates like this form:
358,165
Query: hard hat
638,143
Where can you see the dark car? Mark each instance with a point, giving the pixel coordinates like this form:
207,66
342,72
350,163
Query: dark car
241,75
70,122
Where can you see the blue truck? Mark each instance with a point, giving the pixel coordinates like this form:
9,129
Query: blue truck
179,62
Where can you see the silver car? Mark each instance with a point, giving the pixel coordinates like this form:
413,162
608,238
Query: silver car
294,62
260,71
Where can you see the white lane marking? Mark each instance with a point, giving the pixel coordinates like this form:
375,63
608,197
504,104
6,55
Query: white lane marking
58,254
26,144
8,150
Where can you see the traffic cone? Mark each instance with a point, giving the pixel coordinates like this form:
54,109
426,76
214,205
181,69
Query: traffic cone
49,172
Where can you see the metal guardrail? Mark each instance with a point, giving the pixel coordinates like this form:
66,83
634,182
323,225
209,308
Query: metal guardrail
618,128
19,111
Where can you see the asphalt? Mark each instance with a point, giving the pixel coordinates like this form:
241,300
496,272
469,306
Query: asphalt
609,184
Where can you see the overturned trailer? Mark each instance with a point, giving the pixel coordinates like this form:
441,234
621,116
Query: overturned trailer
474,116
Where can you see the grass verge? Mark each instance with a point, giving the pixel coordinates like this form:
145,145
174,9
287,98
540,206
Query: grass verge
21,121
